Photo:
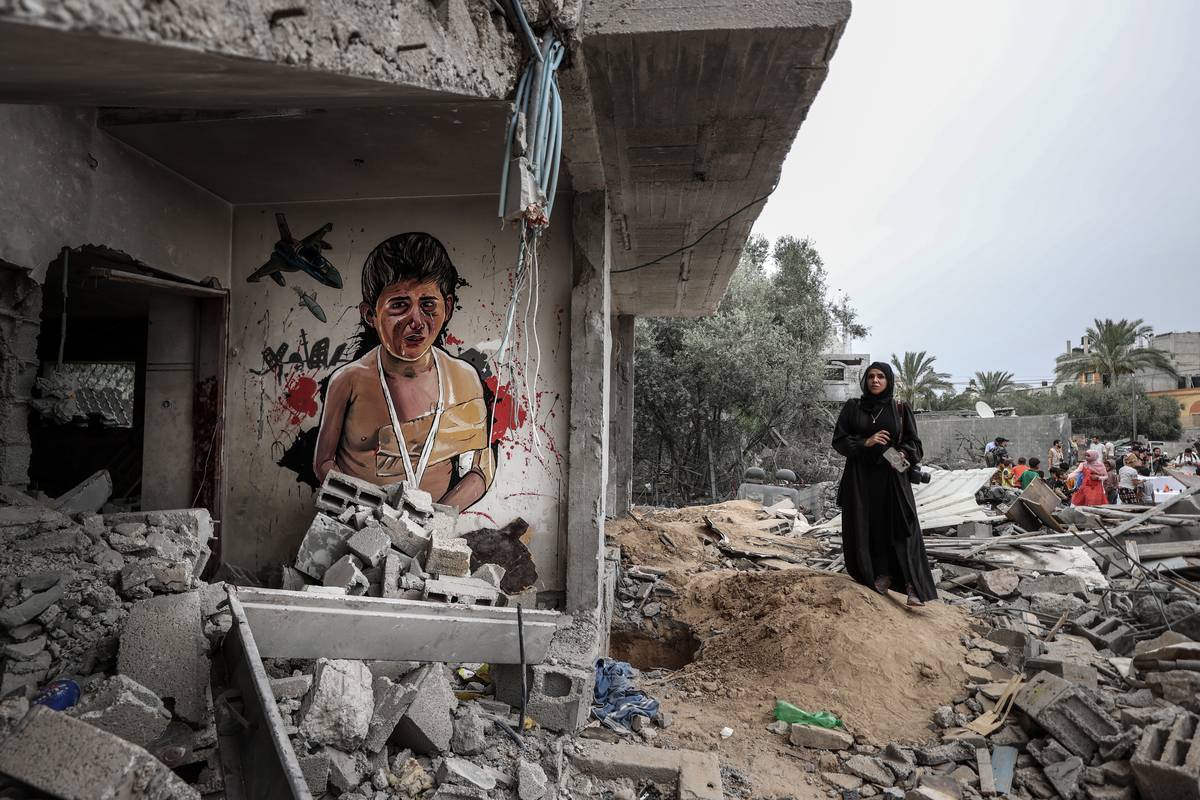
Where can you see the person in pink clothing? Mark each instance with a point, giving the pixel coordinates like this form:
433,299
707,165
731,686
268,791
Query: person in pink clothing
1089,489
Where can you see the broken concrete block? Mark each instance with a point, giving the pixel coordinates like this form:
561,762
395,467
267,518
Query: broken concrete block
124,708
417,500
1055,605
449,558
337,710
560,696
462,772
370,544
943,753
23,651
426,726
395,564
391,701
346,770
315,769
461,590
1000,582
30,609
870,769
1165,765
345,574
468,737
1066,713
1054,584
489,573
341,491
1111,633
163,648
88,496
975,530
337,591
323,544
67,758
291,687
531,780
408,536
820,738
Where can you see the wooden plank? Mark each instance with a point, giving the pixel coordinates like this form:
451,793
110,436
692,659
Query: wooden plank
1158,509
987,782
306,625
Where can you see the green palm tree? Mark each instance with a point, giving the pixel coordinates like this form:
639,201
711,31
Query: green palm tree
916,379
1113,352
990,385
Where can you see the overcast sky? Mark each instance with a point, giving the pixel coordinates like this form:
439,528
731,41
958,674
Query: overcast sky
985,178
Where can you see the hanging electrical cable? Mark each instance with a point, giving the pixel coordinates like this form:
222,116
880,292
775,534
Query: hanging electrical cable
528,183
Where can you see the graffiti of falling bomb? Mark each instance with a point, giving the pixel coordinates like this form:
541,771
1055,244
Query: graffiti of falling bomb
309,301
303,255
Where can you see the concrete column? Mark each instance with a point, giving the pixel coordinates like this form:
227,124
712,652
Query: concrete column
620,429
170,394
587,454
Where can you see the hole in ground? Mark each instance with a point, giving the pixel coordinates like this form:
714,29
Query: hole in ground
674,649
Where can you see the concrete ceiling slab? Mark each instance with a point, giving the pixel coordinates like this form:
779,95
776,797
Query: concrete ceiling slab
694,108
437,150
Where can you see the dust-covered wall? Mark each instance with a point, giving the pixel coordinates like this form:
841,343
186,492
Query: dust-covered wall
955,441
282,357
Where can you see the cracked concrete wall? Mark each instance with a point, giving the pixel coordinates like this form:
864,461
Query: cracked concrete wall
458,46
20,316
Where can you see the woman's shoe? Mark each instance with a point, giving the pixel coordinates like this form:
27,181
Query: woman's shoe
883,583
913,600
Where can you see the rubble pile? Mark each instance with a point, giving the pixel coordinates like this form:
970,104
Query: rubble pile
104,617
1077,665
394,541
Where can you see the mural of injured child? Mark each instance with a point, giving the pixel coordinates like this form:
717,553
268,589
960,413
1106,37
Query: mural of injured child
407,410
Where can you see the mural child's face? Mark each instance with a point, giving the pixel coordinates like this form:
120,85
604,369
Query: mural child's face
408,316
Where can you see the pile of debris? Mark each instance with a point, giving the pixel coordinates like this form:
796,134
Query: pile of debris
395,542
106,618
1076,666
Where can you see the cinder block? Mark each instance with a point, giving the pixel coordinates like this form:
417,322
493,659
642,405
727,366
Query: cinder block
1166,764
427,726
1054,584
315,768
345,574
408,535
975,530
125,708
164,649
67,758
324,543
1113,634
449,557
341,491
1066,713
461,590
489,573
370,544
290,687
418,501
560,696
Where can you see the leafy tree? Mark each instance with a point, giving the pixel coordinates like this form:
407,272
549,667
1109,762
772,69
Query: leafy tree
916,379
712,392
1113,352
845,320
1106,411
989,386
950,401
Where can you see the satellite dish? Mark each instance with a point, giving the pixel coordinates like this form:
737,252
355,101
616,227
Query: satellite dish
984,410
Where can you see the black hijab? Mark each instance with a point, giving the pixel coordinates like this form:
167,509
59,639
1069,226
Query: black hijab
873,402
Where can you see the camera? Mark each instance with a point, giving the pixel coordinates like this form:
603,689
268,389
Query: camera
916,475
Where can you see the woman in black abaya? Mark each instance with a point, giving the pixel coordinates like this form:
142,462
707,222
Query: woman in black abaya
881,537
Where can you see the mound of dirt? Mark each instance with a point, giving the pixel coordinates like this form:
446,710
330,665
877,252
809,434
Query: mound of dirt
824,643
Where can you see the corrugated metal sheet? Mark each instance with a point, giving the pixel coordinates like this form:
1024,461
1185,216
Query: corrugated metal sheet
948,499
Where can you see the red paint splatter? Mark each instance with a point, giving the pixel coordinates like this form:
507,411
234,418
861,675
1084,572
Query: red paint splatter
300,397
453,340
507,416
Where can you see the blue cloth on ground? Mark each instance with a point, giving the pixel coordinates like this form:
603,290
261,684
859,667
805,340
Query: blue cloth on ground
616,700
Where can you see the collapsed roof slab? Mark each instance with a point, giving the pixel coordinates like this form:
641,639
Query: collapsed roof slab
693,109
241,54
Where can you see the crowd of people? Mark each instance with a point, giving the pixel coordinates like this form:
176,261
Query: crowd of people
1095,478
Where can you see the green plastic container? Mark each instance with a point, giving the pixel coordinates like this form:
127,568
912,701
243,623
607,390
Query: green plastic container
787,712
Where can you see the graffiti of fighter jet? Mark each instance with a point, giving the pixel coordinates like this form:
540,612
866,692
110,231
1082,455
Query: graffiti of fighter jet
304,255
309,301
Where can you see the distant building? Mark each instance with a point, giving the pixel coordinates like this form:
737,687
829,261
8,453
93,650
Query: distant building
843,375
1085,379
1183,348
